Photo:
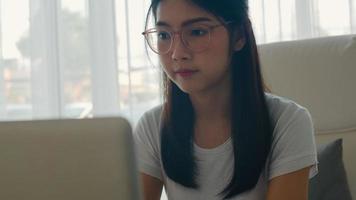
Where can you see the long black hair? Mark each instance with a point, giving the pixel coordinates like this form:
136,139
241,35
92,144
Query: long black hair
251,129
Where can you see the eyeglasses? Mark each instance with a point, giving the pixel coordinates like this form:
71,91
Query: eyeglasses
195,37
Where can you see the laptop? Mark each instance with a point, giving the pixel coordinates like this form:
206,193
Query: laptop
68,159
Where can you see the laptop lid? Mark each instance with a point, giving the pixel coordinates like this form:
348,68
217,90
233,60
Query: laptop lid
68,159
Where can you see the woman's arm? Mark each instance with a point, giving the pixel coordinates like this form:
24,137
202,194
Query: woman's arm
292,186
152,187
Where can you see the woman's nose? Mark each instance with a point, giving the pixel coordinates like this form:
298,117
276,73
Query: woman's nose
179,50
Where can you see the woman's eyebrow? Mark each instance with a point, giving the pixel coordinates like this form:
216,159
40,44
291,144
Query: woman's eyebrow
185,23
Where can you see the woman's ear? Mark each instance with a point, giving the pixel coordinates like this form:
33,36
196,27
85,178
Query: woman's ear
240,40
239,44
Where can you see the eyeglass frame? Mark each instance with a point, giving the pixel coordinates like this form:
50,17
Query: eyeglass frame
179,33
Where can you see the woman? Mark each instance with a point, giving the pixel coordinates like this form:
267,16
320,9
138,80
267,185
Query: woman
218,134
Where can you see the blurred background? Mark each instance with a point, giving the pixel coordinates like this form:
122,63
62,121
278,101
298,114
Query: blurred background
85,58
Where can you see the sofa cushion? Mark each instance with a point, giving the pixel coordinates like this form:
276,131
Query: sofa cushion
330,183
317,73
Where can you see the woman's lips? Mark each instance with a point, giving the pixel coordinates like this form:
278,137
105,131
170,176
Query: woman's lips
185,73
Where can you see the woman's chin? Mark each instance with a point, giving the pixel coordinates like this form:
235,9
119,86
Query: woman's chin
186,88
189,89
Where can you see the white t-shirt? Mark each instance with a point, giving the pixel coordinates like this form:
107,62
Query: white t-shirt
293,148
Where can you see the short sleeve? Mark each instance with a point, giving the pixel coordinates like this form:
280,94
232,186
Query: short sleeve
146,140
293,145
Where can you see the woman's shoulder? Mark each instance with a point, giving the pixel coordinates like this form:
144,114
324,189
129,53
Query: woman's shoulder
152,116
150,122
283,107
153,113
289,119
286,113
279,102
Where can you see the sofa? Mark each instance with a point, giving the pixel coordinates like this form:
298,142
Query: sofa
320,74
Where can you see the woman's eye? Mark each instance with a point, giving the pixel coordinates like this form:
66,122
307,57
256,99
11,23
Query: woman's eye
163,36
198,32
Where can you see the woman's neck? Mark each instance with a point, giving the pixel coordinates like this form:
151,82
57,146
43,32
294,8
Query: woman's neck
212,106
212,112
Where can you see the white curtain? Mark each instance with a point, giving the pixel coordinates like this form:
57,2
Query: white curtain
84,58
281,20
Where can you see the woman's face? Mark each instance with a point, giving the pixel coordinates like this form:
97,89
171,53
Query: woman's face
194,72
